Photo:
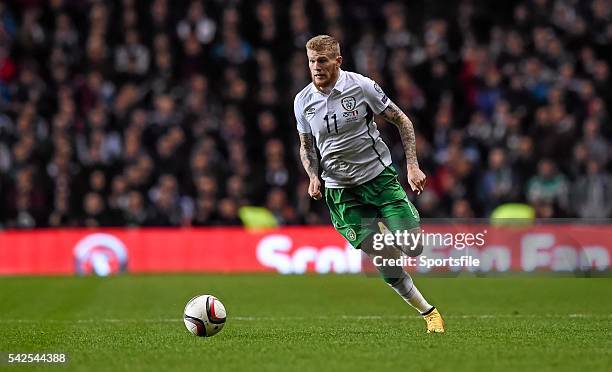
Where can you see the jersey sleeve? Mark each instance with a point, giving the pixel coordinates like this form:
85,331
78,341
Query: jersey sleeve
298,110
374,95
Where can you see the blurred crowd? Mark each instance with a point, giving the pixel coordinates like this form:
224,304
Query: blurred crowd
179,113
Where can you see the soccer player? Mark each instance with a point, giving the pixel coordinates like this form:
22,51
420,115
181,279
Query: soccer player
336,111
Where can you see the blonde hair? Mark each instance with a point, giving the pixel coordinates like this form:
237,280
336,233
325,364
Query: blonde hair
324,44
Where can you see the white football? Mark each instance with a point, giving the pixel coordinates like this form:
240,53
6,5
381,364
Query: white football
204,315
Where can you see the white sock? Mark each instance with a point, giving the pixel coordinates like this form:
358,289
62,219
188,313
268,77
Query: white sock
409,292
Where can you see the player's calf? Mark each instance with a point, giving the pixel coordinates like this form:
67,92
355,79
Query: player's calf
402,283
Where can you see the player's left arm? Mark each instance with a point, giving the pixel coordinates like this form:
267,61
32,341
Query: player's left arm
393,114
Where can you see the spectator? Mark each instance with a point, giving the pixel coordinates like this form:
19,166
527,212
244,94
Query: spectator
498,182
96,214
198,23
228,213
135,214
167,207
592,193
132,58
278,204
548,186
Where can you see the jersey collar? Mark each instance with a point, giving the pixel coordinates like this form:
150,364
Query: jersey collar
340,83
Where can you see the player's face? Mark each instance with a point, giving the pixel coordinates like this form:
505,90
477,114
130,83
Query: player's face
324,68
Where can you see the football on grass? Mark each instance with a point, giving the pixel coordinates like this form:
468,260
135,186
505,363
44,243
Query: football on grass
204,316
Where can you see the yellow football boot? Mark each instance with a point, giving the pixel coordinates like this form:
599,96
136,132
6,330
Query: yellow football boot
435,323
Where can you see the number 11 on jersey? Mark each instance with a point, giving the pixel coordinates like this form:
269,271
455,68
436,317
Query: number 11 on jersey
326,118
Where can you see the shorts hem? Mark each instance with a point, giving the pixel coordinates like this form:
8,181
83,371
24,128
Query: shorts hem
356,244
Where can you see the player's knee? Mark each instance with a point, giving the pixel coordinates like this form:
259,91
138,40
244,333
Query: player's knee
367,245
412,247
411,250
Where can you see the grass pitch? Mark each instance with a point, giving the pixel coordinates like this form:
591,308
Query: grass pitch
310,323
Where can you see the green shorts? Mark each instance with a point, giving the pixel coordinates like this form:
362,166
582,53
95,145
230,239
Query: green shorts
354,211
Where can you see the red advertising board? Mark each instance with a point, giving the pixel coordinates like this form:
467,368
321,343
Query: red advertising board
296,250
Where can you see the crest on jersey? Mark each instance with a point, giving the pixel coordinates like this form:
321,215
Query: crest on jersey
348,103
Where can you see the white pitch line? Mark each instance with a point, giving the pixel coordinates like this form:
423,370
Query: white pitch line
320,317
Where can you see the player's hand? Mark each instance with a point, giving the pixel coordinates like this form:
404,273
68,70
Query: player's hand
314,189
416,178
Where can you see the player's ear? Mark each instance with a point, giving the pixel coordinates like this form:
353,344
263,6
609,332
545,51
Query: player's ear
339,60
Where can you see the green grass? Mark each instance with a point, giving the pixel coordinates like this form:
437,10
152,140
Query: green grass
310,323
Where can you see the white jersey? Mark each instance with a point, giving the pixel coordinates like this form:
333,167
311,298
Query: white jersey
342,123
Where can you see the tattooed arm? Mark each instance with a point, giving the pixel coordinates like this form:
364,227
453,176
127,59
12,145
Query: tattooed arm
393,114
308,155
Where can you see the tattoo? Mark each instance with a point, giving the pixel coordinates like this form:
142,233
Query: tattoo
396,116
308,155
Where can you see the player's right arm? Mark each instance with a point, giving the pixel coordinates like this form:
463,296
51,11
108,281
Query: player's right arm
308,152
308,155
